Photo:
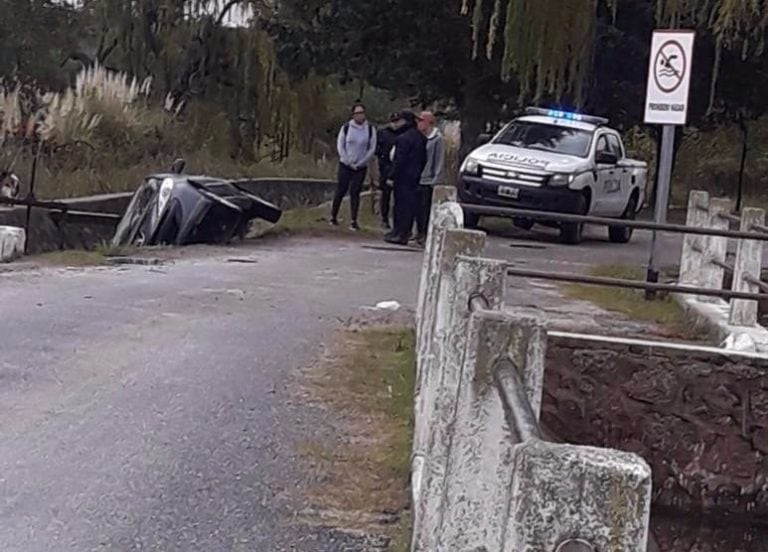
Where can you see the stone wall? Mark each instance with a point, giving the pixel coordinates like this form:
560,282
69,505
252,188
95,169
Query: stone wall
46,235
699,417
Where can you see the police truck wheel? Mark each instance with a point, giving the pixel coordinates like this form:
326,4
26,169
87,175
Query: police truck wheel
622,234
571,233
523,223
471,220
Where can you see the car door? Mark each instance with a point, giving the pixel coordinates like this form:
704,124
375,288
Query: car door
622,185
607,180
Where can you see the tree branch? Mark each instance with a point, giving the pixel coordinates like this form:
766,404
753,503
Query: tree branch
225,11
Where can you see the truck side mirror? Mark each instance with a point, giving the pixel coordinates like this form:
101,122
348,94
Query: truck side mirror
606,158
483,139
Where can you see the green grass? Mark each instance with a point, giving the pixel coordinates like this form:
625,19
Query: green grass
368,381
663,311
314,221
97,256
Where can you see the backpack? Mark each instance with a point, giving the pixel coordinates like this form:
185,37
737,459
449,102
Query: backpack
370,132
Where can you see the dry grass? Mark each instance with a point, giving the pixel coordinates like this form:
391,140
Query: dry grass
367,381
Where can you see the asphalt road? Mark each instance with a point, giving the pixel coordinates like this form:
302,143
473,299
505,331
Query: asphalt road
540,248
146,408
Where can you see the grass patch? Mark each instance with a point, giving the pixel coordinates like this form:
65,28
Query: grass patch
97,256
368,381
314,221
663,311
70,257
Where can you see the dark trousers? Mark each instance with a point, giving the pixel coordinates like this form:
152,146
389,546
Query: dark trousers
386,199
406,202
424,210
350,181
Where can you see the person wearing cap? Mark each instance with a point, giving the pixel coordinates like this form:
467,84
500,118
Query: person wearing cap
408,161
433,172
356,146
385,141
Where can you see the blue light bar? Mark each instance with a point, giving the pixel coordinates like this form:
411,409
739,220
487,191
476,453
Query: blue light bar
566,115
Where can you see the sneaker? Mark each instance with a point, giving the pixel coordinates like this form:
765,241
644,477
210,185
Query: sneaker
333,222
354,226
397,240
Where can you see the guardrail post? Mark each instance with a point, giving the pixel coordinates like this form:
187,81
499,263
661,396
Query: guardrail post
715,247
437,374
473,513
692,258
446,214
749,264
564,492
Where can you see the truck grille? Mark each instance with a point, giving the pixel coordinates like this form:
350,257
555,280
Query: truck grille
514,176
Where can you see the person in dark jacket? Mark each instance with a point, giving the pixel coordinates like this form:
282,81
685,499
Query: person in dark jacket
408,161
385,141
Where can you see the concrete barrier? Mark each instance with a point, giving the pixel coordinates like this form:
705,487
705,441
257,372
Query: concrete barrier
733,324
482,478
12,242
748,270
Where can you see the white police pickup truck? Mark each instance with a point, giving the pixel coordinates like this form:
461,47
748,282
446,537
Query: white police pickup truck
555,161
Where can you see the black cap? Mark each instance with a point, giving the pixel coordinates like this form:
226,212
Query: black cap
408,116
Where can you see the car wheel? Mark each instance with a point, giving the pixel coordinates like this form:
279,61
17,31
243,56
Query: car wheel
571,233
471,220
623,234
523,223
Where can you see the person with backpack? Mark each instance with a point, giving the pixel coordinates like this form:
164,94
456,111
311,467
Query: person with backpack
385,141
356,145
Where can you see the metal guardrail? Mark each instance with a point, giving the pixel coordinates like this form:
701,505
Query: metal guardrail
756,233
635,284
603,221
60,213
521,419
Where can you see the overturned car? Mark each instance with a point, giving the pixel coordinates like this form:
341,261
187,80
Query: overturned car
180,209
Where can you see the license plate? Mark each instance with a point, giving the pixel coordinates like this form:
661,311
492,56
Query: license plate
508,191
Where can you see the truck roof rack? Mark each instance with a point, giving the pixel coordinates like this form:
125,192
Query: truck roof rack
568,116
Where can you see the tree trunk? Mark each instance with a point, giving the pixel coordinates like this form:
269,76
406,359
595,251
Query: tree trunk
477,108
743,165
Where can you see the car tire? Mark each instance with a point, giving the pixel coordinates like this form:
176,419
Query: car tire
571,233
471,220
623,234
523,223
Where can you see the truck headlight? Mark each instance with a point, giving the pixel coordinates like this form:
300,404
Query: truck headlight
165,194
559,179
471,166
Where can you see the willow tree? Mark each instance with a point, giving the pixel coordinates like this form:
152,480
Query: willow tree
549,45
195,57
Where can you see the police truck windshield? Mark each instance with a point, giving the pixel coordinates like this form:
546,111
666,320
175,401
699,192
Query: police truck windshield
550,138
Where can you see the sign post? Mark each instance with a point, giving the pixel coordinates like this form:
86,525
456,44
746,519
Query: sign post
666,104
